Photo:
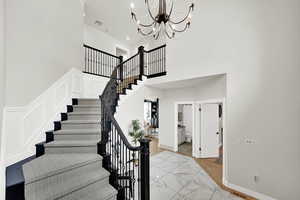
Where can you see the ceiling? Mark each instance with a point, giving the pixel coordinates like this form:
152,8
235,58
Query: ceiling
116,19
186,83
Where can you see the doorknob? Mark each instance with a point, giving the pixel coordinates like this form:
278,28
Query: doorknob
217,133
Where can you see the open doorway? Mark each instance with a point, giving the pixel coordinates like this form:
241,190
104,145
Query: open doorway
151,118
184,130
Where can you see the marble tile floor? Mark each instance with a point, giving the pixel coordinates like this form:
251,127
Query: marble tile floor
186,148
178,177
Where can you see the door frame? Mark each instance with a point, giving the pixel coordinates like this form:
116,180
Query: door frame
176,104
198,117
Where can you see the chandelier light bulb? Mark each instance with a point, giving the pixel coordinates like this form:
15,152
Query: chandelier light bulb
132,6
173,26
138,22
190,16
153,29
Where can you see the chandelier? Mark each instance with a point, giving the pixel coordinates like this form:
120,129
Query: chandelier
162,21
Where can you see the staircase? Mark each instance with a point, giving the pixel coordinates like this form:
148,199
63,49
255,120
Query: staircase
87,156
71,167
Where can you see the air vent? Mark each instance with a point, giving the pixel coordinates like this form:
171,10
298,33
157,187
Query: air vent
98,23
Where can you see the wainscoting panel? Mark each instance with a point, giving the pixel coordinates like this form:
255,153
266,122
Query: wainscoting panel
23,127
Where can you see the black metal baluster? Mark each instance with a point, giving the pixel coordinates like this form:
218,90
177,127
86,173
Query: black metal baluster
165,59
88,69
159,57
97,63
84,58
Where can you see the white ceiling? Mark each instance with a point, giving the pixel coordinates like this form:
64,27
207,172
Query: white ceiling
185,83
116,18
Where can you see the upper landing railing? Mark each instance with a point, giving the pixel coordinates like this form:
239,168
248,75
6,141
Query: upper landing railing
101,63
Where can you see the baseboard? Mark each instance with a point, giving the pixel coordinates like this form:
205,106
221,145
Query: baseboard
170,148
246,191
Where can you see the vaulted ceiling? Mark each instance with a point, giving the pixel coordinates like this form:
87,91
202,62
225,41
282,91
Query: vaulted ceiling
116,19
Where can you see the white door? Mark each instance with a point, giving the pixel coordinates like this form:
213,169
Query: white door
209,138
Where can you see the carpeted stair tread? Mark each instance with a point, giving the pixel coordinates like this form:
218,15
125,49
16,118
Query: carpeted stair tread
51,164
85,113
86,106
73,184
104,192
71,143
89,99
81,122
78,132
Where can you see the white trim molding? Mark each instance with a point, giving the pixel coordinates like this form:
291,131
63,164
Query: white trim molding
166,147
25,126
246,191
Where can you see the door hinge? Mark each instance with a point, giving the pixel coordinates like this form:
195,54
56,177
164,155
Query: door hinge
200,149
200,109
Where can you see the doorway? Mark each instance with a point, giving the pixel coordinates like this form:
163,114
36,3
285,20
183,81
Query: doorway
184,128
210,128
151,117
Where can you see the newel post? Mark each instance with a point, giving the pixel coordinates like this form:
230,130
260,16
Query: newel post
104,138
145,169
121,68
142,60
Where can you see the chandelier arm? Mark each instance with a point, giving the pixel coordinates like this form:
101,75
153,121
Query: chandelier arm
149,11
140,24
145,34
147,25
187,25
171,10
149,33
167,33
157,36
179,22
158,30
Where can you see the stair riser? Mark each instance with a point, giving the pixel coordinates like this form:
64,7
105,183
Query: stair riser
77,137
90,189
87,109
81,126
75,149
84,117
56,179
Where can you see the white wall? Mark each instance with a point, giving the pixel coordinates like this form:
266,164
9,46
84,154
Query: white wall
208,88
257,44
2,94
44,41
93,86
24,126
102,41
132,108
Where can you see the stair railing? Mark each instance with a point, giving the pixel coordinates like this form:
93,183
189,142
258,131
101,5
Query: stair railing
99,62
128,164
